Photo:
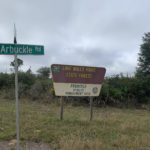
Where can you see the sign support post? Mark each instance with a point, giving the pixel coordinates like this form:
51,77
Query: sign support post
19,49
17,103
91,108
16,94
61,107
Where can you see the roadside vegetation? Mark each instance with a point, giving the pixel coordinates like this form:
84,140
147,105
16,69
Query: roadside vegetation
117,123
117,90
111,128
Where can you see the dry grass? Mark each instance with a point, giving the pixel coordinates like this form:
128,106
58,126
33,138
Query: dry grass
111,128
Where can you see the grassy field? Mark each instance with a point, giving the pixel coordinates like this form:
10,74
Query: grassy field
111,128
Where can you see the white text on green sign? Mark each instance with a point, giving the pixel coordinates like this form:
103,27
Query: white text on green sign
10,49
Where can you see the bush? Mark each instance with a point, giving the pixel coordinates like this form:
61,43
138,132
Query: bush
116,90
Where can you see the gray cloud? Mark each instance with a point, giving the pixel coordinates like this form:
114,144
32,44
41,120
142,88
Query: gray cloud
79,32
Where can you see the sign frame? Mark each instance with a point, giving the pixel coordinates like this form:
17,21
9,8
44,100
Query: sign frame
77,80
63,81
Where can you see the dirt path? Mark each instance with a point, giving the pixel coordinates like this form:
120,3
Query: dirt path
11,145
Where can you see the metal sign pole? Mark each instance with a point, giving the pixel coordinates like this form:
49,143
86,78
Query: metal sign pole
16,94
14,49
17,103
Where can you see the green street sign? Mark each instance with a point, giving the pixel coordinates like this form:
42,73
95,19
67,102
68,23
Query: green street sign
10,49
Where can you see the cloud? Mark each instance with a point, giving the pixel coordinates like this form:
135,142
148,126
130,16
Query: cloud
78,32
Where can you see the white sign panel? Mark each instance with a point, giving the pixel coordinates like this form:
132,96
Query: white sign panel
74,89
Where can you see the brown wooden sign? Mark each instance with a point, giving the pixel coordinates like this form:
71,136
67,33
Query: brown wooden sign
77,74
77,80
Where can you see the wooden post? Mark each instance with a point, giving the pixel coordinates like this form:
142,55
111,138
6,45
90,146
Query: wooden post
61,107
91,108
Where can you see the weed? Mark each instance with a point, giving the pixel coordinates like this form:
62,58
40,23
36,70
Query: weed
110,129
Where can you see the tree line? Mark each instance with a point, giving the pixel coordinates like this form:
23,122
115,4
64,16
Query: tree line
33,86
117,89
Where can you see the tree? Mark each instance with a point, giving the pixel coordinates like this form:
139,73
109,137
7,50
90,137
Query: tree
143,68
44,72
29,71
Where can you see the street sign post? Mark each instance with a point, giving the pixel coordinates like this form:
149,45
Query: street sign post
18,49
78,81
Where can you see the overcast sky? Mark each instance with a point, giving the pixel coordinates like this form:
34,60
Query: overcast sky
102,33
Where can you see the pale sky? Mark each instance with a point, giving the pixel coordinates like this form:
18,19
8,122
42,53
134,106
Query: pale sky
101,33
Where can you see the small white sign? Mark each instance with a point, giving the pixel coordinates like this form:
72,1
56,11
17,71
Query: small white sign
75,89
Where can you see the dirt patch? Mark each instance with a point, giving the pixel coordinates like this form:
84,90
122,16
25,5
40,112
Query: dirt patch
11,145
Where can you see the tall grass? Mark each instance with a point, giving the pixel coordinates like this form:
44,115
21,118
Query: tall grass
111,128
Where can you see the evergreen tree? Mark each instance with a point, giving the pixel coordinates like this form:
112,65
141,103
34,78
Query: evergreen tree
44,72
143,68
